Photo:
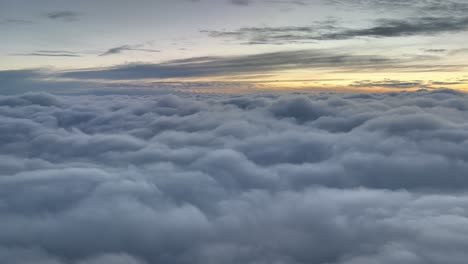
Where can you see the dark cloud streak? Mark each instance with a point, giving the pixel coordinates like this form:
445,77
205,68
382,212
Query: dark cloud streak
46,54
65,15
219,66
384,28
123,48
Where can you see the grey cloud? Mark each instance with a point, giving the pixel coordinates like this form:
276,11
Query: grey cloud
244,74
299,3
449,7
390,84
46,80
280,2
66,51
16,22
20,81
65,15
435,50
194,178
247,64
55,53
123,48
421,26
458,52
324,60
241,2
395,28
46,54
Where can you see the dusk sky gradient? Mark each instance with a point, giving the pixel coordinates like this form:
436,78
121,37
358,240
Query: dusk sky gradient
241,45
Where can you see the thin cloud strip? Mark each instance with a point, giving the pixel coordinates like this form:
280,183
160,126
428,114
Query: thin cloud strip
322,60
64,15
383,28
219,66
46,54
120,49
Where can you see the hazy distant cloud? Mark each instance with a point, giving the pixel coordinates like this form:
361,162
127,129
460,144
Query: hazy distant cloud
458,51
241,2
439,83
401,85
46,80
435,50
248,2
389,84
66,15
55,53
427,7
422,26
273,35
411,27
16,22
287,2
46,54
123,48
208,179
20,81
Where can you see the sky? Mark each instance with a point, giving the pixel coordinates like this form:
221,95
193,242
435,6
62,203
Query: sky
232,45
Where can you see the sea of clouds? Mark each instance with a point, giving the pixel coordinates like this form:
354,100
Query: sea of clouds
225,179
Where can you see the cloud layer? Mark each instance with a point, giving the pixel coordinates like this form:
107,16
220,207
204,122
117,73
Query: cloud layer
328,30
324,178
211,66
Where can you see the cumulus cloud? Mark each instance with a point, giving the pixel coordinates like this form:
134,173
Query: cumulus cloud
306,178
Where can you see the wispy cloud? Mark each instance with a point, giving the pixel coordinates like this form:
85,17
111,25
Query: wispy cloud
225,66
432,7
46,54
459,51
383,28
265,63
387,83
66,15
16,22
399,85
241,2
286,2
120,49
435,50
55,53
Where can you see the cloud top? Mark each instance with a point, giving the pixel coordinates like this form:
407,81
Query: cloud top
321,178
